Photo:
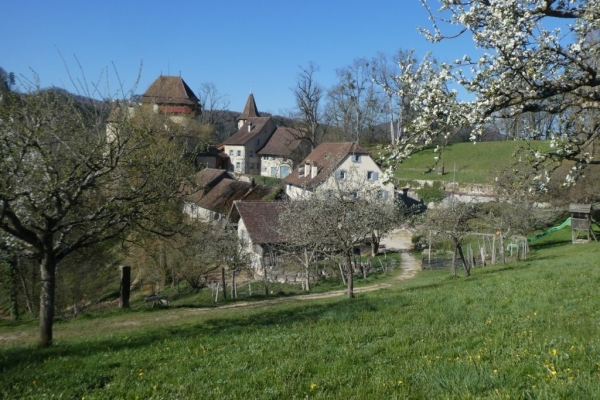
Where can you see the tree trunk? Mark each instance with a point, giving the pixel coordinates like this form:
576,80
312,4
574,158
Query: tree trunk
375,240
462,257
342,273
307,270
223,283
350,275
453,268
48,278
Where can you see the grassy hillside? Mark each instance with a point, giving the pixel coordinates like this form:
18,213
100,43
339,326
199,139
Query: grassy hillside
523,330
475,163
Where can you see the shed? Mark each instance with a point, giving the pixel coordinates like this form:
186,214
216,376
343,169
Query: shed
581,223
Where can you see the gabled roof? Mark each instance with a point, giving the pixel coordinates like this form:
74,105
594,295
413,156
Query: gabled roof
250,111
221,197
283,143
209,176
206,179
261,219
327,157
243,135
169,90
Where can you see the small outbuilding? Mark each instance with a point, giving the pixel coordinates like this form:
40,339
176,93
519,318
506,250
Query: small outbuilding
581,223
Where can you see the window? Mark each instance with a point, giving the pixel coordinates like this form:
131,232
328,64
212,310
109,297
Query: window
257,142
251,153
251,165
264,169
284,171
340,175
239,153
237,166
372,176
356,158
381,194
231,152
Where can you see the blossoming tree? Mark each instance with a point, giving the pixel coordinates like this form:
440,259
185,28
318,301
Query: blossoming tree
538,56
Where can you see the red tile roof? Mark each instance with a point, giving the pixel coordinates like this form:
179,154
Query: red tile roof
169,90
327,157
261,219
206,179
221,197
243,135
283,143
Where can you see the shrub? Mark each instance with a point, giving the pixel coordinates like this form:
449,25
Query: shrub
432,193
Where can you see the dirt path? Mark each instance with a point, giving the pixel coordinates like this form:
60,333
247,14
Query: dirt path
399,240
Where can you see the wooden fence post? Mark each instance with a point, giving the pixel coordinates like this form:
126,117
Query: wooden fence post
125,286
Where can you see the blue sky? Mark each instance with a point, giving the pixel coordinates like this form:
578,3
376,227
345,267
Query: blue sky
234,44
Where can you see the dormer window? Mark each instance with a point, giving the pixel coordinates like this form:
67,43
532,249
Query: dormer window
356,158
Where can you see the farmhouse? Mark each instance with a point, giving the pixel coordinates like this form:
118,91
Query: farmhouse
258,229
330,164
253,133
259,147
283,150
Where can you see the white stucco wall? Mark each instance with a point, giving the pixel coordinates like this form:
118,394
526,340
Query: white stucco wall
268,162
357,178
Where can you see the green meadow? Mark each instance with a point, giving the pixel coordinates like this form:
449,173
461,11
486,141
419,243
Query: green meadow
464,162
529,329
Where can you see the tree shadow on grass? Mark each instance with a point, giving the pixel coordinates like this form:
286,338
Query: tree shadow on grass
550,244
340,310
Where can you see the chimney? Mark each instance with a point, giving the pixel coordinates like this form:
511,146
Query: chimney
314,170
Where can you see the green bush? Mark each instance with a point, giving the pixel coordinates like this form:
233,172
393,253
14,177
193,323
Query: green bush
432,193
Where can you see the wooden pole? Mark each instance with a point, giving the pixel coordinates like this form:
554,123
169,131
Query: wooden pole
223,283
233,284
429,256
125,286
494,250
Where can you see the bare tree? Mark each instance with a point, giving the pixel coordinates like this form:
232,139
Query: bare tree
339,220
214,109
451,220
355,104
385,73
308,94
65,187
